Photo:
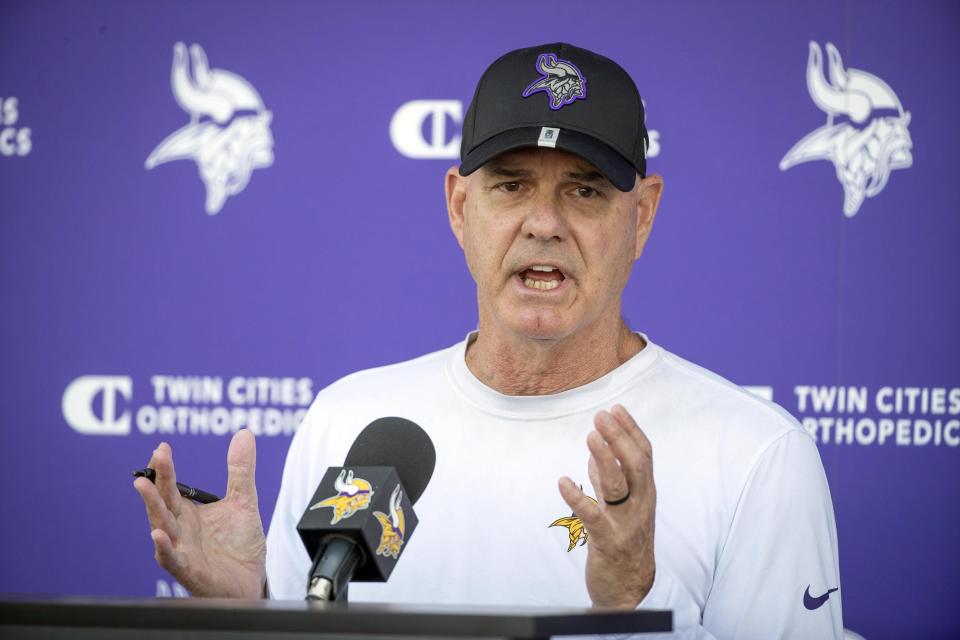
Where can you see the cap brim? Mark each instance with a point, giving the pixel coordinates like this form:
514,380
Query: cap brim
611,164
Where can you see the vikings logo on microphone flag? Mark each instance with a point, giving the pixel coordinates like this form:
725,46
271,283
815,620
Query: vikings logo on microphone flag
353,494
574,527
561,80
393,526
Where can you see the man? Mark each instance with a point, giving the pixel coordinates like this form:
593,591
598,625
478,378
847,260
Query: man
695,495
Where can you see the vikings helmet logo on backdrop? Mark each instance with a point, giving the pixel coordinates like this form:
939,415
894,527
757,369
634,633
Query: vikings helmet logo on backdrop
870,141
353,494
229,131
561,80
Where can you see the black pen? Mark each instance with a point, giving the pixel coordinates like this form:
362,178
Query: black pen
197,495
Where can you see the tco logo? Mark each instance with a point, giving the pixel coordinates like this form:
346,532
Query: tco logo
409,132
406,129
78,405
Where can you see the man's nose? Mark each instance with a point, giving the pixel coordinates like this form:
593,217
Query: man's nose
545,220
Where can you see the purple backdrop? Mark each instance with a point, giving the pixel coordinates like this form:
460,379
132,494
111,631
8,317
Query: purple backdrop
130,310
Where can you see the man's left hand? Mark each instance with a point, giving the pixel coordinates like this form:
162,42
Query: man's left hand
620,562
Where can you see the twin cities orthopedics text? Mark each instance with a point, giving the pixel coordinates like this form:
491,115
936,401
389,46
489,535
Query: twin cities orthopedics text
106,405
902,415
208,404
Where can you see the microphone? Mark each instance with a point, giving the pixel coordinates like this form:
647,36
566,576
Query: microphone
361,514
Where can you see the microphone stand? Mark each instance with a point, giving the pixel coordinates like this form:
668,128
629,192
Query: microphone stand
333,569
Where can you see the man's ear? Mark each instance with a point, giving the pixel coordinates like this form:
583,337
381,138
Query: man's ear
649,190
455,187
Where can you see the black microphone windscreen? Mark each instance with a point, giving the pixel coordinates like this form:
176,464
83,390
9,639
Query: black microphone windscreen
397,443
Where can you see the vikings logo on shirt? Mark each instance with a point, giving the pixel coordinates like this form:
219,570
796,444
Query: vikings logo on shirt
575,528
561,80
393,527
353,494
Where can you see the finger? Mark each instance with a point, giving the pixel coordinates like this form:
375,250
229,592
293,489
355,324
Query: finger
583,507
593,472
609,480
241,466
630,425
159,516
165,553
622,446
166,479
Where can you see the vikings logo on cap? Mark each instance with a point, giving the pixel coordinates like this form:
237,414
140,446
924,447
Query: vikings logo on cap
393,527
561,80
574,527
353,494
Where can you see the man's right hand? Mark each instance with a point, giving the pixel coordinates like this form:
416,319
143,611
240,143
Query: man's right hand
217,549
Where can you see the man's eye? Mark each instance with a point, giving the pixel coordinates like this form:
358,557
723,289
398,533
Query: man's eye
510,187
587,192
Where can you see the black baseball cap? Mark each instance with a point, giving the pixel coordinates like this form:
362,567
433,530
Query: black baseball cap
562,97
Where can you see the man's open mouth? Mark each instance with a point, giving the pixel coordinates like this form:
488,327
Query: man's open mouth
541,276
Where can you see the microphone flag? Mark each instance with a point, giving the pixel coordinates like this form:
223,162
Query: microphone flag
366,505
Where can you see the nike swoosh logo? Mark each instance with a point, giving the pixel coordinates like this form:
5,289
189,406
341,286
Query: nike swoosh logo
812,603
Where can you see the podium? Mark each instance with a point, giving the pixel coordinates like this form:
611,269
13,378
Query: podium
219,619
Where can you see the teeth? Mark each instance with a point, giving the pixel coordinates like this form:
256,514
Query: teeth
541,284
541,267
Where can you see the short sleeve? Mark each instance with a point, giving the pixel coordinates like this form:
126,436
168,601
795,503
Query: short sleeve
778,571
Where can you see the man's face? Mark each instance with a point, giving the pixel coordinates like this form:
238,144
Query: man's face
549,241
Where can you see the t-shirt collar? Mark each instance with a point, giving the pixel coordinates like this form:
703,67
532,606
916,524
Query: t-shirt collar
592,396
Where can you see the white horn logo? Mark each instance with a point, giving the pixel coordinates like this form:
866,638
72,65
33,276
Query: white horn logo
866,145
228,135
344,484
395,509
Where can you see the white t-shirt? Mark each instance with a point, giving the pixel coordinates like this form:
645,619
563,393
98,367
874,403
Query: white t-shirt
745,534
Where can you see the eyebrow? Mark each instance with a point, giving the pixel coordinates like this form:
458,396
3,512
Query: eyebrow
578,176
585,176
502,171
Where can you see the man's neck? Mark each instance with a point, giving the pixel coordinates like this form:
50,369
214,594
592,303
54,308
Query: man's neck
519,366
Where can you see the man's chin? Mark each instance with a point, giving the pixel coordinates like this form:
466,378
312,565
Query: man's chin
541,326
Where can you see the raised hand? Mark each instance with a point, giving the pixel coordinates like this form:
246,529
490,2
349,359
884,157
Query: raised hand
620,561
213,549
